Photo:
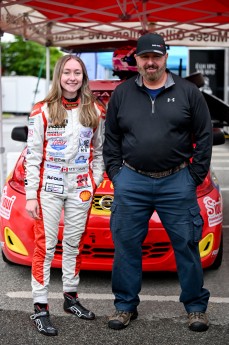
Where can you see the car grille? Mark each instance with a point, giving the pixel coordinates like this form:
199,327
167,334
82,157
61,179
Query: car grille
95,202
102,202
149,250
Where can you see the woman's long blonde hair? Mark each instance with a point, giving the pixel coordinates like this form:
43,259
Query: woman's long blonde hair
57,113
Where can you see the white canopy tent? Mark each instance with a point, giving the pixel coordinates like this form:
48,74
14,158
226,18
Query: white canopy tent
70,23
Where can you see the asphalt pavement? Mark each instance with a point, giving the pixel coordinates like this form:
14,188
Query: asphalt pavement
16,329
162,319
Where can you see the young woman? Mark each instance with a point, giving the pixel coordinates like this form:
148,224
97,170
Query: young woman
64,164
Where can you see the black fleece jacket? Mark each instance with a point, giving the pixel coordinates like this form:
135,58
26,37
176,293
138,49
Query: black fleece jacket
161,134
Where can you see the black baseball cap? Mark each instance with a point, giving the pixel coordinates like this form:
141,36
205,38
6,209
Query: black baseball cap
151,43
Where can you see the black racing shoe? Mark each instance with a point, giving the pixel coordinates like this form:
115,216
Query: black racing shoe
73,306
42,321
198,321
121,319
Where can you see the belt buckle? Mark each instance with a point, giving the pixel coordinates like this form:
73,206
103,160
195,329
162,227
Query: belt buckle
160,173
157,174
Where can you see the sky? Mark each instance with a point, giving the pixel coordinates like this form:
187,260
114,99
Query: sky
7,37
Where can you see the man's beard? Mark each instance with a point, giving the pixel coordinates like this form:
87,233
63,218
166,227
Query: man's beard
149,76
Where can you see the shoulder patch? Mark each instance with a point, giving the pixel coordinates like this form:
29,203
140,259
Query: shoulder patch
36,109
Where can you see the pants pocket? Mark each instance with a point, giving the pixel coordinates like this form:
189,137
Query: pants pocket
197,223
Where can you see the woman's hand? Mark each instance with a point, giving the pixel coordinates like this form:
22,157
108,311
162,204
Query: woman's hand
32,208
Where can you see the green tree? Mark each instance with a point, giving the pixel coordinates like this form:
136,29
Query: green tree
27,58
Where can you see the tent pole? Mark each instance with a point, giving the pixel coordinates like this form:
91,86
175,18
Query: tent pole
47,69
2,149
226,73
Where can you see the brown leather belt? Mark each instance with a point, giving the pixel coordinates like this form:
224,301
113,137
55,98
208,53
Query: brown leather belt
160,173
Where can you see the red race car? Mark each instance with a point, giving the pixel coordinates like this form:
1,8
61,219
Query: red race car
16,227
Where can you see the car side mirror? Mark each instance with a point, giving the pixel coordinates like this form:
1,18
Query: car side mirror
218,136
196,78
20,133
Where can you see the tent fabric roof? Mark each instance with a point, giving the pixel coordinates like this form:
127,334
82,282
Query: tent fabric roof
106,24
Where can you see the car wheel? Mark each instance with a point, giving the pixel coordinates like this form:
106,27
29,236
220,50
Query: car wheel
218,261
4,258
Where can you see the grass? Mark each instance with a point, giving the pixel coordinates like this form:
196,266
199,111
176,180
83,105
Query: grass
7,115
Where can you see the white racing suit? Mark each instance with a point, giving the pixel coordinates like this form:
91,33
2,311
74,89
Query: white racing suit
64,164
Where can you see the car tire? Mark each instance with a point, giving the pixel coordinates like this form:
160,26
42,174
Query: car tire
4,258
218,261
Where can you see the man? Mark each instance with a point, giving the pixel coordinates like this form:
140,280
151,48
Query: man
158,144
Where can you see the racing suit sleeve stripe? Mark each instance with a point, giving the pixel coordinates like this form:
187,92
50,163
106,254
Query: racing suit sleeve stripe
34,155
45,141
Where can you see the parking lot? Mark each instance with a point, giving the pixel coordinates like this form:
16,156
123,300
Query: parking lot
162,319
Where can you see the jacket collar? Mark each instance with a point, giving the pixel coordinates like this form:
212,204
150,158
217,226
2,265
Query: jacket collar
169,82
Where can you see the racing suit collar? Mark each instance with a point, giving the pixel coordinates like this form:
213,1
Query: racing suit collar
69,105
